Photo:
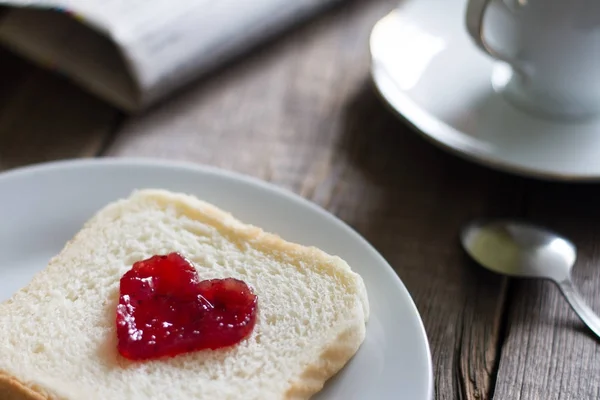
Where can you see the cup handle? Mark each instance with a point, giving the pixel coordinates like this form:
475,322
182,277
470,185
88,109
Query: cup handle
475,13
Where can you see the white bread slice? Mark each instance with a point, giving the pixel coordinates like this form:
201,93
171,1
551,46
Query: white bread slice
58,335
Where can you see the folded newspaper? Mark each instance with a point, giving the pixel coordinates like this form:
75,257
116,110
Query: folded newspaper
134,52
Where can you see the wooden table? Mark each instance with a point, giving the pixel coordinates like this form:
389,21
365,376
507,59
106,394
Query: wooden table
300,112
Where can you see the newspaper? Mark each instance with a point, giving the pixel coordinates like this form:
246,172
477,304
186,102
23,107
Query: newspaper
134,52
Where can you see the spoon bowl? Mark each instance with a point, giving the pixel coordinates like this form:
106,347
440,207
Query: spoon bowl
522,250
519,249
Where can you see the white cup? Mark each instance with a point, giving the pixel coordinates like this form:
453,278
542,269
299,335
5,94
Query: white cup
552,48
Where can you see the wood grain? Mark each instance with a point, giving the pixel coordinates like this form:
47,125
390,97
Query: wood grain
301,114
44,117
548,353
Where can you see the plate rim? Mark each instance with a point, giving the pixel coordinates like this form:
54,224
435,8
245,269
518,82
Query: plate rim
190,167
408,111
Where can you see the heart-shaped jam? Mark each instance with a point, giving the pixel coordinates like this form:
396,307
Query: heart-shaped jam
164,310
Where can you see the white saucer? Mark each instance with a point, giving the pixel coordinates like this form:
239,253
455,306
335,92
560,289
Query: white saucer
44,206
427,69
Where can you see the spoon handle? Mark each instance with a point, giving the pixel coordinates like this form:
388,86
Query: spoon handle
578,305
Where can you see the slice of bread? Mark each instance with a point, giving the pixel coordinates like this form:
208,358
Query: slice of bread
58,335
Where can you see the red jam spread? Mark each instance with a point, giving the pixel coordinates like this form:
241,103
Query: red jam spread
165,310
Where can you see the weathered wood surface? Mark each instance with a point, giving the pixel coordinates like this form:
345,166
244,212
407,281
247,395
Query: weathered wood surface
300,112
548,353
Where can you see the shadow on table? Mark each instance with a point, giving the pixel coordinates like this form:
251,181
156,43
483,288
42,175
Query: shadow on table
410,179
44,117
414,198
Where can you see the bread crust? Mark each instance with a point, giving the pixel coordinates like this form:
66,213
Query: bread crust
334,355
12,389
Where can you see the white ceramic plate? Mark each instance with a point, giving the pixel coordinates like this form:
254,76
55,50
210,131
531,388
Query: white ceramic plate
44,206
427,69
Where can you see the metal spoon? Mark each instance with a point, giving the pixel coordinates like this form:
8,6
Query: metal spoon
527,251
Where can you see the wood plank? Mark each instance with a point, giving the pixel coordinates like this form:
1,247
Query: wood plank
301,114
548,353
44,117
